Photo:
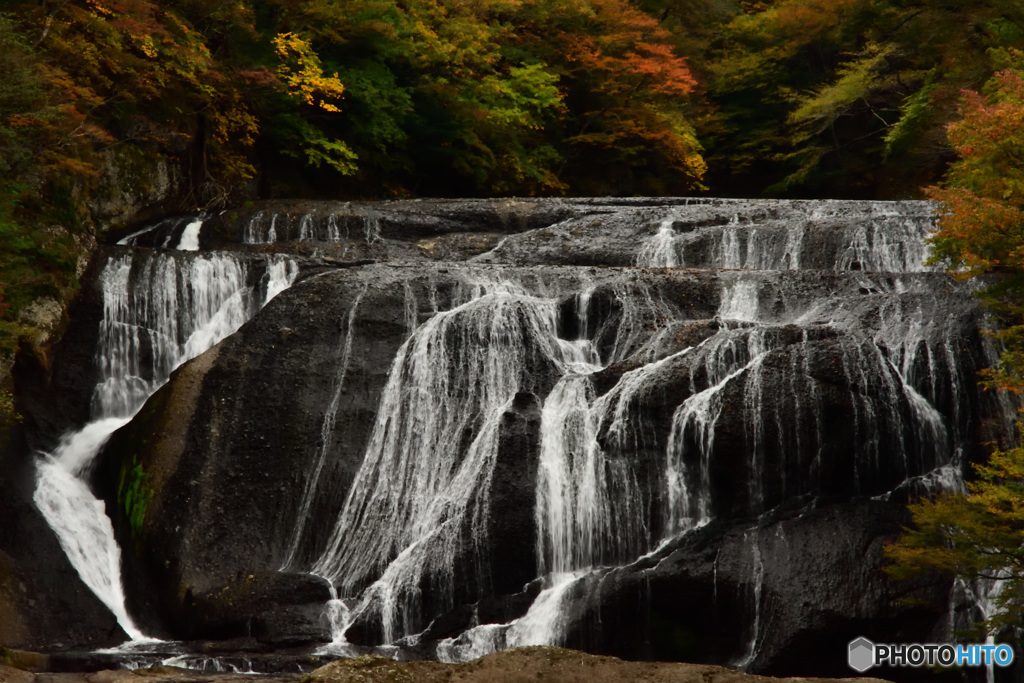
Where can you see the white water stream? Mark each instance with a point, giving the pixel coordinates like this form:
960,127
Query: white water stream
420,501
159,311
417,511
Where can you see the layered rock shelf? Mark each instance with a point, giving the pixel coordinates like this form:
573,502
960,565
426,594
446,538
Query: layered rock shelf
662,429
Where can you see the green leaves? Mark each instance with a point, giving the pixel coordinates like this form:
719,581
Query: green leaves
847,98
509,96
134,494
915,110
857,81
371,96
977,536
526,96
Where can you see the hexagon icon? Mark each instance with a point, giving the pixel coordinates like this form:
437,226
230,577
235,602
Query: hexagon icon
862,654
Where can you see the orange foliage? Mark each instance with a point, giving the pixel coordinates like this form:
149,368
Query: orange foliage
628,50
981,227
982,222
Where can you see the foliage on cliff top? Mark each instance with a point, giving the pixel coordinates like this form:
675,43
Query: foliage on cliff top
492,97
424,97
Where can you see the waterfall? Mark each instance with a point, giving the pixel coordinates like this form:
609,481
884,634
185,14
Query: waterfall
709,365
980,596
758,584
883,241
323,224
436,436
693,431
455,376
159,311
80,520
566,445
660,251
416,511
414,518
543,624
190,236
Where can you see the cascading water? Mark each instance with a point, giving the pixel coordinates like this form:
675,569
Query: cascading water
80,520
885,241
190,236
159,310
410,524
585,423
412,531
269,227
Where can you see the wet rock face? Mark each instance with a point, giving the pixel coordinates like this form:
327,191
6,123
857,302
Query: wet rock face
54,395
275,608
774,592
224,505
644,428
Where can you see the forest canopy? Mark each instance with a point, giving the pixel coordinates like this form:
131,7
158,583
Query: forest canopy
366,97
379,98
245,99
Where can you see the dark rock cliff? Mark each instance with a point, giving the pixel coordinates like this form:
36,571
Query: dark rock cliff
698,429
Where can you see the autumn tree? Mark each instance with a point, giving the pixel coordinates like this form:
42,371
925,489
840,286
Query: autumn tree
627,94
85,79
981,228
365,97
307,84
977,537
981,233
42,136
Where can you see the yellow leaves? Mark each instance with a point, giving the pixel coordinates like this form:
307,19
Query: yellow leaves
300,69
145,45
98,8
232,125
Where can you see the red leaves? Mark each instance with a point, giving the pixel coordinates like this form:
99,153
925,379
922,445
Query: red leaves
627,47
982,225
626,88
